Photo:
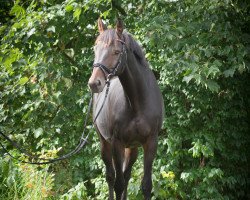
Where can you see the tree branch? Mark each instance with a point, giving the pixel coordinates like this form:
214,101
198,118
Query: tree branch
118,7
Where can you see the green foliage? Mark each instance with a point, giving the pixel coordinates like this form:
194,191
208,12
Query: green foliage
204,72
199,51
22,181
77,192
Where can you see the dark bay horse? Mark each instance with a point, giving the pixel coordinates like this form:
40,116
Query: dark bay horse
133,113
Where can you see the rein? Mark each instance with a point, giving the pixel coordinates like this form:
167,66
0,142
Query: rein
111,72
81,144
52,160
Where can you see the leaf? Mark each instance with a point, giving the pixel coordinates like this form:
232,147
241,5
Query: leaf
215,172
23,80
68,82
70,52
51,29
185,176
148,55
31,32
213,70
69,8
77,13
105,14
198,78
212,85
38,132
241,68
187,79
18,11
229,73
187,72
169,36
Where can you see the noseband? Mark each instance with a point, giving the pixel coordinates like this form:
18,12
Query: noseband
112,71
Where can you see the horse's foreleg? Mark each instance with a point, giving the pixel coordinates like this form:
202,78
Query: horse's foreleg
150,148
106,153
130,158
118,157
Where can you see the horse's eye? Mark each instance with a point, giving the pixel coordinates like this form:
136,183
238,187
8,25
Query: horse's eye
116,52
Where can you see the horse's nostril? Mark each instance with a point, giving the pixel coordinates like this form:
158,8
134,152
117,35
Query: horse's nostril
98,82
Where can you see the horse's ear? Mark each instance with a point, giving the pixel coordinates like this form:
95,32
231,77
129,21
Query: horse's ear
101,26
119,27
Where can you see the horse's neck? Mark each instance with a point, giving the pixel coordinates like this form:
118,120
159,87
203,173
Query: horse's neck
133,80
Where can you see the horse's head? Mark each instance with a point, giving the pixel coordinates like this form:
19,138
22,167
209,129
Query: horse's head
110,52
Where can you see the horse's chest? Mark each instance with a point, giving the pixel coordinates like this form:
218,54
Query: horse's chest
134,131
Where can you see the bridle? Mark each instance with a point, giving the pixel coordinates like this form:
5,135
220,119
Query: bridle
112,71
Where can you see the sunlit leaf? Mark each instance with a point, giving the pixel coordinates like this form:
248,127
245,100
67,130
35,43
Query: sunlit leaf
77,13
23,80
38,132
69,8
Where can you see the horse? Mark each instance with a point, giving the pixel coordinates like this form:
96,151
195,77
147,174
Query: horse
132,115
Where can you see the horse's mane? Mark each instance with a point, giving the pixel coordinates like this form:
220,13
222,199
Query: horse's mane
109,36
